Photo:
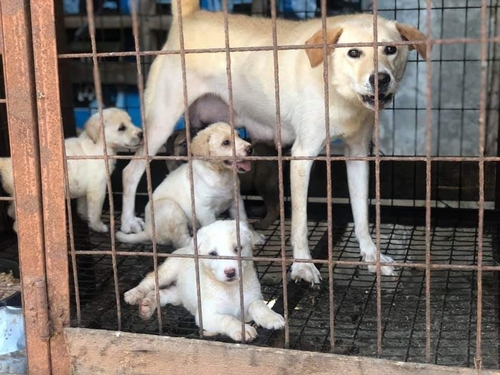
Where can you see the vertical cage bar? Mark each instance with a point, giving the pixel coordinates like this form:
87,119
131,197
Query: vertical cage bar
482,138
376,129
98,92
428,151
52,177
273,5
149,184
21,114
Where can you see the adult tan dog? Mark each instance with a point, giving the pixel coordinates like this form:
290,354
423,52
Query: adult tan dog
213,182
352,77
219,286
87,178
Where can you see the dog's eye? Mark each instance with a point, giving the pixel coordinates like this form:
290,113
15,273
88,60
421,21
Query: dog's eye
183,144
354,53
236,249
213,253
122,128
390,50
226,143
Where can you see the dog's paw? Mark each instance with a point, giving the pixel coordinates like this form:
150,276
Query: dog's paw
384,270
272,320
133,225
250,333
307,272
258,238
99,227
146,308
133,296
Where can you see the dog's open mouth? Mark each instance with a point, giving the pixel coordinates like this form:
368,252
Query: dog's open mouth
241,166
383,100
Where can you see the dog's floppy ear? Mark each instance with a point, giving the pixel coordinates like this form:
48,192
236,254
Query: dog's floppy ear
246,236
199,144
315,55
170,144
412,34
93,127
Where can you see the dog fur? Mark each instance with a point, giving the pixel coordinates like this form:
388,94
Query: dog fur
219,286
213,187
87,178
352,88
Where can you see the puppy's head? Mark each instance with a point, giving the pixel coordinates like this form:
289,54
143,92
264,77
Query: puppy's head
219,239
352,69
119,129
216,140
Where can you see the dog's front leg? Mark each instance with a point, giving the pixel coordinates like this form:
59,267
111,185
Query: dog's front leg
95,201
357,175
226,325
300,171
261,314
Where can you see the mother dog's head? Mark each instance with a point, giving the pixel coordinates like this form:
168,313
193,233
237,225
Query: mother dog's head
352,69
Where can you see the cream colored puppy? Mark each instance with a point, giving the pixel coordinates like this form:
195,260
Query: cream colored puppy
353,82
87,178
213,189
219,283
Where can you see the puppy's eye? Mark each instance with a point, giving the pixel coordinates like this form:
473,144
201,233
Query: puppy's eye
236,249
354,53
390,50
183,144
122,128
213,253
226,143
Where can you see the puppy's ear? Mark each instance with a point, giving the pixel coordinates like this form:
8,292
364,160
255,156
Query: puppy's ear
93,128
316,55
246,237
199,144
411,34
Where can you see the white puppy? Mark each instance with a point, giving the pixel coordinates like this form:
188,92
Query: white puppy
213,183
87,178
219,286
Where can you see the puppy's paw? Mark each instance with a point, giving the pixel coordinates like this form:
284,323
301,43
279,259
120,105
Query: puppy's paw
258,238
99,227
146,308
307,272
250,333
132,225
384,270
133,296
272,320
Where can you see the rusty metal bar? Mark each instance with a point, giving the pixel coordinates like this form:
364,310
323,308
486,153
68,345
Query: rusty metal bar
482,141
280,47
281,188
428,151
140,86
98,92
21,114
52,177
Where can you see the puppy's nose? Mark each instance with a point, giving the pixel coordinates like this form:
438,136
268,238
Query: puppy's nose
140,135
249,150
230,272
383,80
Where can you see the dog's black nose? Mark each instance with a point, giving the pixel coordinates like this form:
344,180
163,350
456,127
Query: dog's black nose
140,135
383,80
250,150
230,272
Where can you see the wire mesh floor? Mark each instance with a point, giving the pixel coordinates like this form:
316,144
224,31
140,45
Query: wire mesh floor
453,296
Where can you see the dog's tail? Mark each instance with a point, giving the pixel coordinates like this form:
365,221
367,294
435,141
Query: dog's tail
188,7
133,237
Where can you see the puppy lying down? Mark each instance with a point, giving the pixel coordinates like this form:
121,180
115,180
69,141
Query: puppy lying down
219,284
87,178
213,189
